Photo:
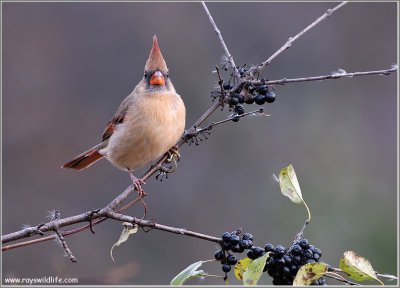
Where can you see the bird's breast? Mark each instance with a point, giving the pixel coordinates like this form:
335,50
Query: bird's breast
152,125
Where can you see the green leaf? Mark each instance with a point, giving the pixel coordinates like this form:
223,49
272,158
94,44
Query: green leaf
290,186
357,267
254,270
126,232
189,272
309,273
241,267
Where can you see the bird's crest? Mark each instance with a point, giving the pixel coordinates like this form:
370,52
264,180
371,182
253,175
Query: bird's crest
156,60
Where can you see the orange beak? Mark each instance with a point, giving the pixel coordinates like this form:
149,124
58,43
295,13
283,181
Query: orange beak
157,79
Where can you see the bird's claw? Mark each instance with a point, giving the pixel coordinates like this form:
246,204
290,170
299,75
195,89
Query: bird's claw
172,153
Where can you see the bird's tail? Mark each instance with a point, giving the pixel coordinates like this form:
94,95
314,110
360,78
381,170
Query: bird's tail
85,159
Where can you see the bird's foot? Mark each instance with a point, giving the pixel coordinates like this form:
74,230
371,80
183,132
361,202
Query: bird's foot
173,151
137,182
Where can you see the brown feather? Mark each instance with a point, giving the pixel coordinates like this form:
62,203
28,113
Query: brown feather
85,159
117,119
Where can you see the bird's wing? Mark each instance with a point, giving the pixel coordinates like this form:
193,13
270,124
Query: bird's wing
117,119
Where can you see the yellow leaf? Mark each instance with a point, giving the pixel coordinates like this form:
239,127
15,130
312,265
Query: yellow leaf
254,270
241,267
290,186
357,267
309,273
128,230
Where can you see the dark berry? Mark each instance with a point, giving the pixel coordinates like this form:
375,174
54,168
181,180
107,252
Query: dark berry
263,89
226,86
311,247
226,245
317,251
310,261
250,243
250,254
320,282
226,268
231,260
245,244
293,268
219,255
308,254
259,99
296,259
296,250
303,243
248,236
239,110
235,248
251,89
226,236
257,251
234,240
234,100
271,261
288,260
316,257
240,98
279,250
280,261
269,247
276,282
286,270
250,100
270,97
235,119
277,274
271,270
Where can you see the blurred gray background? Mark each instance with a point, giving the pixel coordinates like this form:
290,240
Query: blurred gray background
67,67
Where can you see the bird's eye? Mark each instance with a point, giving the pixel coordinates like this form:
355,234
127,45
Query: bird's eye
145,75
167,74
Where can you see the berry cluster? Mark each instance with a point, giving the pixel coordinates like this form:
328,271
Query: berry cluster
282,264
249,94
233,242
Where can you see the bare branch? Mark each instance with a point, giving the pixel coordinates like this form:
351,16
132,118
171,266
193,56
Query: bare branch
290,41
325,77
341,279
104,213
216,30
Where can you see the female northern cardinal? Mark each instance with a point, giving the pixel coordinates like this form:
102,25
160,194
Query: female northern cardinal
146,125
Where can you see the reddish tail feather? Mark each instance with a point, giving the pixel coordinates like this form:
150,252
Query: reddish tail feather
84,160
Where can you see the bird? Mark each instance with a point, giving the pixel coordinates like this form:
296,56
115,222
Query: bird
147,124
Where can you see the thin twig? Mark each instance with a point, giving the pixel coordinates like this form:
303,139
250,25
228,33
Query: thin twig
232,118
65,246
290,41
342,280
216,30
386,276
325,77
